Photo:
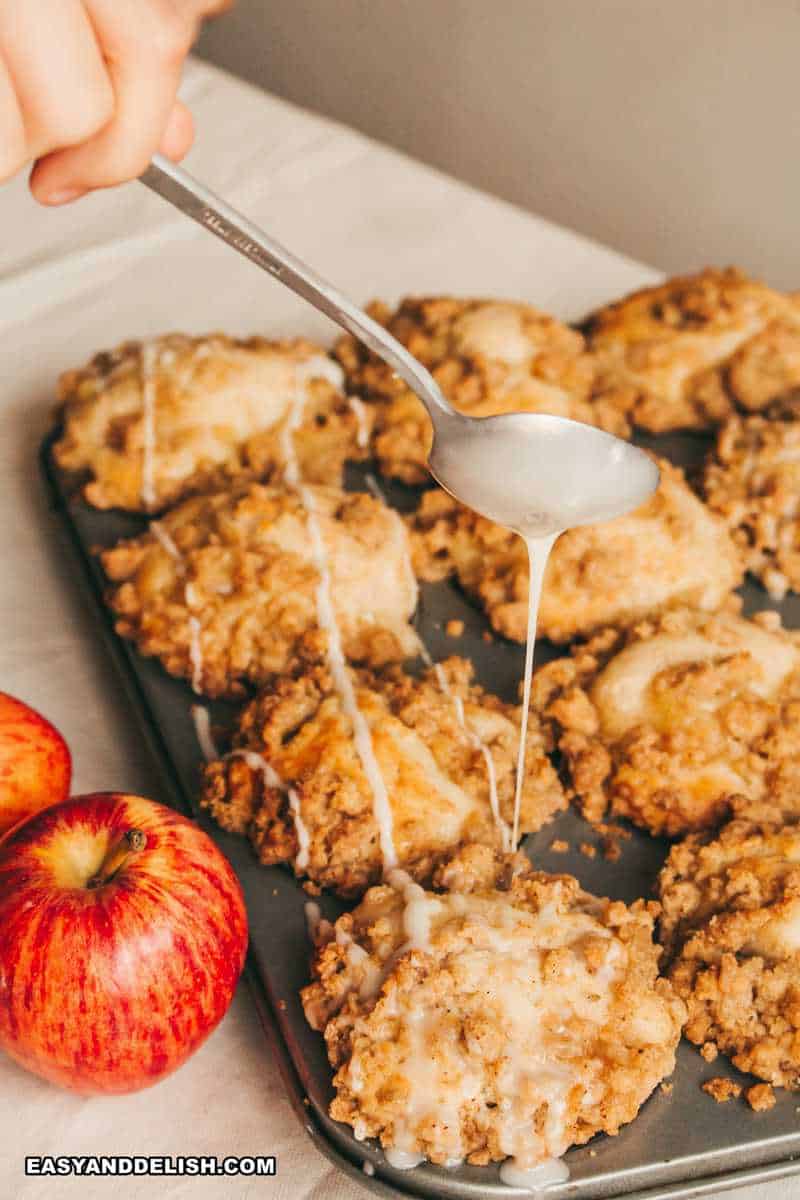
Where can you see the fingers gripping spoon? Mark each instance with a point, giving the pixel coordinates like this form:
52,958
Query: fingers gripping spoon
535,473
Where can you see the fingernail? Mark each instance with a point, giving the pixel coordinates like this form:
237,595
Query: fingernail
64,197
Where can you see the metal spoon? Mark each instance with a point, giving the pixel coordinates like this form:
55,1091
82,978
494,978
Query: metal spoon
533,472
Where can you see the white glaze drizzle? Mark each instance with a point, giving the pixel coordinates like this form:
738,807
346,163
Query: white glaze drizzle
360,414
538,550
163,536
374,487
539,1179
149,361
326,617
202,728
165,540
195,654
476,742
520,987
257,762
313,915
303,836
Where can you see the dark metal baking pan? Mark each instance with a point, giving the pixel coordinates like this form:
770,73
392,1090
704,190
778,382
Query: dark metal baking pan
681,1145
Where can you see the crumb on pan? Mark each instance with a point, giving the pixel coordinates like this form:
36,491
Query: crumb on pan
670,551
435,769
454,628
722,1090
667,722
761,1097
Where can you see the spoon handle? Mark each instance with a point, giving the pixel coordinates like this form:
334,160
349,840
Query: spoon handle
188,195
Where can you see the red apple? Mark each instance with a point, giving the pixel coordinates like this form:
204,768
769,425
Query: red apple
122,935
35,765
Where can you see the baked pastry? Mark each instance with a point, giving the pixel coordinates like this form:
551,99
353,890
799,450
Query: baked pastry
225,588
489,357
689,352
446,751
150,423
753,481
731,930
505,1013
664,722
670,551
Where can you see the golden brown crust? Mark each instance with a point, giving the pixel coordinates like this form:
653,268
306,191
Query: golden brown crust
753,481
671,551
435,773
223,589
730,926
489,357
219,409
522,994
663,723
696,348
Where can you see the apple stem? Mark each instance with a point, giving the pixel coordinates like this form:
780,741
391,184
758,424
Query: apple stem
131,842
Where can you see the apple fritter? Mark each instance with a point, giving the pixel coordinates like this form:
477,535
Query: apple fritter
753,481
730,926
151,423
446,750
224,589
665,722
691,351
670,551
506,1013
489,357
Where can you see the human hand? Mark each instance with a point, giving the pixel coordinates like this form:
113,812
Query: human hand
88,89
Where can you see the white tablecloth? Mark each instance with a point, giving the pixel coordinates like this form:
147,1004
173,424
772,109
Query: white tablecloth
123,264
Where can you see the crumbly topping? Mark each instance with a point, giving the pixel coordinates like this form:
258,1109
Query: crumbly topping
730,927
691,351
506,1012
223,589
666,722
753,481
147,424
488,357
436,775
671,551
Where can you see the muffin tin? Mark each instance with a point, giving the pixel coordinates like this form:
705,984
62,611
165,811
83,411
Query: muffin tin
681,1145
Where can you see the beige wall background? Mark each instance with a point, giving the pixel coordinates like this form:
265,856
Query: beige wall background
667,130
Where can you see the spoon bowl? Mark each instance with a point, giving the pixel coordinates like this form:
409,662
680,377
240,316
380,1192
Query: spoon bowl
539,474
